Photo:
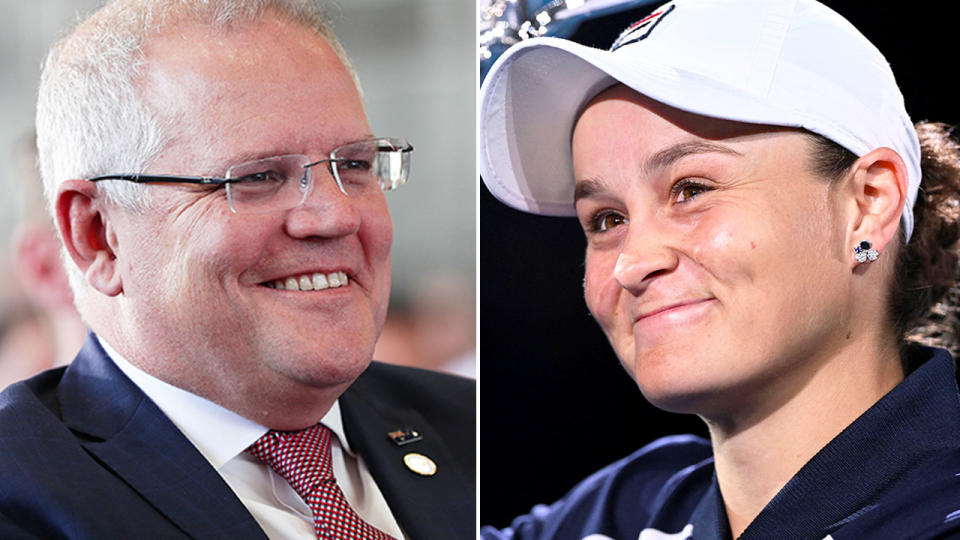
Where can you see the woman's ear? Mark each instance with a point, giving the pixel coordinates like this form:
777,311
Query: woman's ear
87,235
879,191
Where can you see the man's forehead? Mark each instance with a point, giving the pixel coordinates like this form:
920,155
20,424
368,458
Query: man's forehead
248,44
240,94
214,62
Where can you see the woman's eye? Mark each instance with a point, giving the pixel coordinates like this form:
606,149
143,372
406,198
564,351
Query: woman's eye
605,221
686,190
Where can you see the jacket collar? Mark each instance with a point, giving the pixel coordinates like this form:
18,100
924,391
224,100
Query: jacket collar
116,423
415,500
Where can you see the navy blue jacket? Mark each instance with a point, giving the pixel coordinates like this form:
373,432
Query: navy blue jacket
894,473
85,454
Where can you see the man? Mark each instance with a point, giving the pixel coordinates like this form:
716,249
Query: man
220,198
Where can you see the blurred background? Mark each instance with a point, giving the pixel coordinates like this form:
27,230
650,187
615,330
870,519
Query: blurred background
416,60
556,404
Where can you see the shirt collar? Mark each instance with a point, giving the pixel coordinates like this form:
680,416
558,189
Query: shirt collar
880,447
711,515
218,433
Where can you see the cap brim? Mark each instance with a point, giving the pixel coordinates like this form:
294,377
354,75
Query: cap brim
533,95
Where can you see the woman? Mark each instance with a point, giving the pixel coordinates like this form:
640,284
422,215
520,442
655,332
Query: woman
758,247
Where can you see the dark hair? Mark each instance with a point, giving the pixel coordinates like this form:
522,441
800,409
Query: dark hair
925,295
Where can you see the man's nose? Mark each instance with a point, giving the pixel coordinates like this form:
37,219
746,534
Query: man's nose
327,210
645,254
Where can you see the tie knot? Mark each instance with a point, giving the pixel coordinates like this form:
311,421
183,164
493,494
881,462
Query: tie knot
301,457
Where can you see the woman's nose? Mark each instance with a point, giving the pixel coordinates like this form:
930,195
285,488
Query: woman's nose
644,255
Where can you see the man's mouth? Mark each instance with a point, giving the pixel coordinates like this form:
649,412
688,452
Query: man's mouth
310,282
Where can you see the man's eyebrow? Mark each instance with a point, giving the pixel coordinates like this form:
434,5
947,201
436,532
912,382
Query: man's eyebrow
253,155
668,156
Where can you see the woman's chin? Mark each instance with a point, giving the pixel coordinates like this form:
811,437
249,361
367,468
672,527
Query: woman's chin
685,389
681,401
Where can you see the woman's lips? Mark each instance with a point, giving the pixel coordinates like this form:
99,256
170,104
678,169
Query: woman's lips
655,322
671,307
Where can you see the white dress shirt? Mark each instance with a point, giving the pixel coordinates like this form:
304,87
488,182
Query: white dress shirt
221,436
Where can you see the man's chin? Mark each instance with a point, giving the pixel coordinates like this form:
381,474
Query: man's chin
340,371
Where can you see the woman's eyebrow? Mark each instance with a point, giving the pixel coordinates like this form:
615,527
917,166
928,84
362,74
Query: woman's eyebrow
586,188
671,154
664,158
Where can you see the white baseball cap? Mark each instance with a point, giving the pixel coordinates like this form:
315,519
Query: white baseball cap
790,63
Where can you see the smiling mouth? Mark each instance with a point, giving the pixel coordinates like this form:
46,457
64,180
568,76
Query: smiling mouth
672,308
310,282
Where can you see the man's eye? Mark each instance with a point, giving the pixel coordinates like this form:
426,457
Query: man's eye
604,221
354,165
261,178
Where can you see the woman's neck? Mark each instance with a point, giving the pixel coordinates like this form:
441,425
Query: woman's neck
758,450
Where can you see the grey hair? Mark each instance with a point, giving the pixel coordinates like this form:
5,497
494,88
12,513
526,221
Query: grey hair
91,119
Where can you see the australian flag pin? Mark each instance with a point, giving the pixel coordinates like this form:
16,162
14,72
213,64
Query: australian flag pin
404,436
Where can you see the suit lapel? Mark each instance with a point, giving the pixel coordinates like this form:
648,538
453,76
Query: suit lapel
437,506
133,438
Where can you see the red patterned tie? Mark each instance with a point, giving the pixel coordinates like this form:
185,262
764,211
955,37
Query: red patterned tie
303,459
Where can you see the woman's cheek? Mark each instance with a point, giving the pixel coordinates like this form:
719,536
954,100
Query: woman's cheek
601,290
719,247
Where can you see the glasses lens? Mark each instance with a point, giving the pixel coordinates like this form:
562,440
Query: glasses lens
384,162
267,185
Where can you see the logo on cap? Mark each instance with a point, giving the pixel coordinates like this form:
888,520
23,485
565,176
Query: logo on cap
641,29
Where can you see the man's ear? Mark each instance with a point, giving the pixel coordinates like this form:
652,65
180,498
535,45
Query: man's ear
879,191
87,235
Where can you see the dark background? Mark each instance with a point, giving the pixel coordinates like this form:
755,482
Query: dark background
555,403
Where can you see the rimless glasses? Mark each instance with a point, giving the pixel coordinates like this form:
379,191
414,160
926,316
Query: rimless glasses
283,182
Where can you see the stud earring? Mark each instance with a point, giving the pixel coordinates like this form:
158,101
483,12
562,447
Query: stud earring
864,253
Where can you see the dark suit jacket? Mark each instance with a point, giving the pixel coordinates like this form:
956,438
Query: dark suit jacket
85,454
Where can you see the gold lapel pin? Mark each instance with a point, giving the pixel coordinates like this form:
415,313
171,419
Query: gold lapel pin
420,464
